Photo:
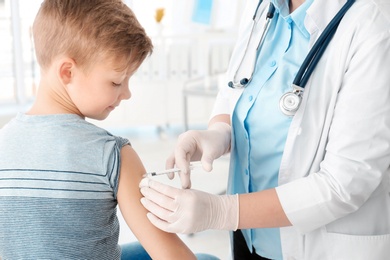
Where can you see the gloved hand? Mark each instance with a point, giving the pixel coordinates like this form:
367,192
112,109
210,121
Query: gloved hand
188,211
205,145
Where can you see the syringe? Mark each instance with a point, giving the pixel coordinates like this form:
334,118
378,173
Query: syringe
193,165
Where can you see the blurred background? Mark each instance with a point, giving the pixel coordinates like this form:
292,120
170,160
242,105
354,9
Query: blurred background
172,91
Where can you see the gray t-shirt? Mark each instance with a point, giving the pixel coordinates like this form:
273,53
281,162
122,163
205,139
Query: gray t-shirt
58,184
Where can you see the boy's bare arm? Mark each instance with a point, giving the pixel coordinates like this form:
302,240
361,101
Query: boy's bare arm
159,244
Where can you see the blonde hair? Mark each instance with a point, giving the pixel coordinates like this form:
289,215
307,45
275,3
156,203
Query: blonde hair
88,30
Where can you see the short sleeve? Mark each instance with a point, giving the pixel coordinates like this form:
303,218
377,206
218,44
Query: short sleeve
113,160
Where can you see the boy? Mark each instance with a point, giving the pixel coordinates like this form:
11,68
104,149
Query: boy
61,177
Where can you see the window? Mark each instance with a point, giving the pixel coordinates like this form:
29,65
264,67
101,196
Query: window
18,69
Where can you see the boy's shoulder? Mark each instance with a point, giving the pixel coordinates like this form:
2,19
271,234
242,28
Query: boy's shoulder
65,130
120,140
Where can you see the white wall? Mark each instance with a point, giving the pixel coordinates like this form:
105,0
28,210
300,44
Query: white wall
225,14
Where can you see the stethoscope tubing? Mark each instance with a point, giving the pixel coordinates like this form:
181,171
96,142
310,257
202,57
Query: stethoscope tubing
269,16
312,58
319,47
290,101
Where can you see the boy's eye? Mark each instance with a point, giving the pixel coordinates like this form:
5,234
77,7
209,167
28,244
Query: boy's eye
116,84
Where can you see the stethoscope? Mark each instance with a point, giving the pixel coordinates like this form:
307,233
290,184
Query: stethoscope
290,101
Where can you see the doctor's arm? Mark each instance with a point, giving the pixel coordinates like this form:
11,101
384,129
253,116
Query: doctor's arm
261,210
357,156
189,211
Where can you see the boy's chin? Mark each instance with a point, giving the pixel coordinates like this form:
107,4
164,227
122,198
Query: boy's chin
99,117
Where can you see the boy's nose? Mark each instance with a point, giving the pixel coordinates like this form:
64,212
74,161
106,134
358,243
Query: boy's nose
126,94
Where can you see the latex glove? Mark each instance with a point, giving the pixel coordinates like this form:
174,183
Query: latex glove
204,145
188,211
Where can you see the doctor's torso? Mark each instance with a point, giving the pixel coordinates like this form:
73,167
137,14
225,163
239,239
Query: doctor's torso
325,131
259,127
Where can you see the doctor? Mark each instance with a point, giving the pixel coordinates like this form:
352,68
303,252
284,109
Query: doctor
309,137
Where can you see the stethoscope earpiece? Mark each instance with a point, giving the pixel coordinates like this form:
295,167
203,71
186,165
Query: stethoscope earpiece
244,81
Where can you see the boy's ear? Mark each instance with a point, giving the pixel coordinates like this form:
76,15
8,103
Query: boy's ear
66,70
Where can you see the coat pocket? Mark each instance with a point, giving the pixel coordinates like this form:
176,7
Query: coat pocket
347,247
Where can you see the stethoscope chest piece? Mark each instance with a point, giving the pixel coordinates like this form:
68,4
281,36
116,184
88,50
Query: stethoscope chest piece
290,101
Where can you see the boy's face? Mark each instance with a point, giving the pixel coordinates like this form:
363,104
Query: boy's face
100,90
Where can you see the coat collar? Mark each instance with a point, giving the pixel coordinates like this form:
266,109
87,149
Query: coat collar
318,17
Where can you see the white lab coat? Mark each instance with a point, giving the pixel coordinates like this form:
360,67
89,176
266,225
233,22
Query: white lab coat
334,176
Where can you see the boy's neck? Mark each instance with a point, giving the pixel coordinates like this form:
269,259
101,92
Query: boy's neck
51,98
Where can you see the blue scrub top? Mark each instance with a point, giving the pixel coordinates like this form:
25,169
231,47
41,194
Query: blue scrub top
259,127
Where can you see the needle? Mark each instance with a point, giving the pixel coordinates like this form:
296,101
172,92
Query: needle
193,165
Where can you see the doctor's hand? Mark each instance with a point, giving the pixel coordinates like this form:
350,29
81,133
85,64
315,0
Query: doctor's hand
188,211
205,145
